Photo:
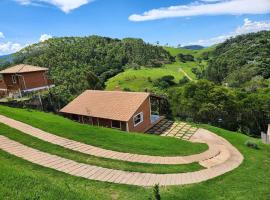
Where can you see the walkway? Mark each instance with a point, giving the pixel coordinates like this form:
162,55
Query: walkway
221,157
99,152
180,130
118,176
181,70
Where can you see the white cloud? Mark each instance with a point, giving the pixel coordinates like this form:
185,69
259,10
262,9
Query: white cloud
65,5
10,47
206,7
44,37
248,27
2,35
24,2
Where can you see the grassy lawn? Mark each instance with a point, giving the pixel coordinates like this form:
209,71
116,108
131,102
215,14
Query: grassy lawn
138,80
35,143
196,53
103,137
23,180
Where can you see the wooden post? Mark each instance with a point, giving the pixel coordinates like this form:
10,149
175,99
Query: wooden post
159,106
39,97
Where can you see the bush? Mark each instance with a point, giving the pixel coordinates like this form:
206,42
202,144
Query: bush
127,89
164,82
183,80
251,144
185,57
156,195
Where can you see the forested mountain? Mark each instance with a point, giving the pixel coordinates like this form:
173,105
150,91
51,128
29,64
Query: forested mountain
5,59
193,47
79,63
240,59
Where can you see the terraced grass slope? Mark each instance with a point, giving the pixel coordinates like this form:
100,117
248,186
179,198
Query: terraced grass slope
141,79
103,137
23,180
47,147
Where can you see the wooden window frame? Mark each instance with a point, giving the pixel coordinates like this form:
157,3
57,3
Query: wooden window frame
14,80
134,119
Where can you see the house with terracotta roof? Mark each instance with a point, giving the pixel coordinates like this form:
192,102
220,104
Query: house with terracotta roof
127,111
23,78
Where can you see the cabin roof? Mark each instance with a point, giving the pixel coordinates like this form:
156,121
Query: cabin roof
22,68
115,105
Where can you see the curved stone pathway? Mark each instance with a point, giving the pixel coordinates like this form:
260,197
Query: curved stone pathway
213,151
117,176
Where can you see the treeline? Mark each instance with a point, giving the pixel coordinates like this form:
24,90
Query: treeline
238,60
233,109
80,63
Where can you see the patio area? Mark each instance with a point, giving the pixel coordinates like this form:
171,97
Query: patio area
180,130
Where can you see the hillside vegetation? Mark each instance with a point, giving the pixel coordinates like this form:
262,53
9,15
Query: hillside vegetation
233,109
79,63
241,59
144,78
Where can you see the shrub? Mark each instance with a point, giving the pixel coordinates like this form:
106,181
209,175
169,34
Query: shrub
185,57
251,144
127,89
164,82
156,192
184,80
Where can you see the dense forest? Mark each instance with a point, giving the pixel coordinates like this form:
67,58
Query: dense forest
233,109
80,63
236,95
241,59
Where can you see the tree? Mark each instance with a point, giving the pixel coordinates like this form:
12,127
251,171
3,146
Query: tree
184,80
79,63
236,110
185,57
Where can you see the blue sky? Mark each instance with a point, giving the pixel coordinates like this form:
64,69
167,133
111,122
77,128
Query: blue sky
204,22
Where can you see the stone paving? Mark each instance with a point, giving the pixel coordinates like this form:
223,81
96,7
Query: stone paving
221,157
99,152
117,176
180,130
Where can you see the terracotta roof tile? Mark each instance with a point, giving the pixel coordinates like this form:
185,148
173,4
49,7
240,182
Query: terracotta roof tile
116,105
22,68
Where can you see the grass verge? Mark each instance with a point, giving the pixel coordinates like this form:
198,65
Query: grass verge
22,180
35,143
104,137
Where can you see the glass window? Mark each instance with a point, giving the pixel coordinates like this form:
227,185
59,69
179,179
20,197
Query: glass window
137,119
116,124
14,80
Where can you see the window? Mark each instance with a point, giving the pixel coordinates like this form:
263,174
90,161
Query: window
14,80
137,119
1,78
116,124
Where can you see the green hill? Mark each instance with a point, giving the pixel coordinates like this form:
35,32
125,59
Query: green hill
5,60
23,180
193,47
79,63
241,59
141,78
